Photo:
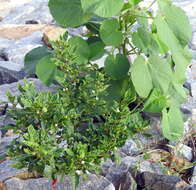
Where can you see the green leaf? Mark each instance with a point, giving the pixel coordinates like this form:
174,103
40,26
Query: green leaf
177,21
81,49
117,66
68,13
156,102
179,55
110,33
46,70
48,171
103,8
141,77
134,2
32,58
141,39
161,73
172,123
96,47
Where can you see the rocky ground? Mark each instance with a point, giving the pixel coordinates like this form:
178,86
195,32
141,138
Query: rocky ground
147,162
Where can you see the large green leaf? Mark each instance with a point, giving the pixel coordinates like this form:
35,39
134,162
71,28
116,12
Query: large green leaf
172,123
68,12
96,47
134,2
81,49
110,33
103,8
161,73
177,21
141,77
32,58
156,102
46,70
117,66
179,55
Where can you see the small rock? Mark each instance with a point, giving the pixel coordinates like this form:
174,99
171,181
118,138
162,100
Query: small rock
52,33
184,151
3,108
153,181
106,166
13,88
193,178
191,187
4,121
130,148
193,90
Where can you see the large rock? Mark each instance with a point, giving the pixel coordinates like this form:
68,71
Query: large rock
92,183
13,88
152,181
22,47
34,10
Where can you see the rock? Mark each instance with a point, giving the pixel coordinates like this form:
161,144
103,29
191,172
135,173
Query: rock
184,151
119,176
130,148
191,187
33,10
138,165
5,142
52,33
15,31
106,166
193,90
3,108
10,72
153,181
7,171
4,121
22,47
13,88
193,178
92,183
4,43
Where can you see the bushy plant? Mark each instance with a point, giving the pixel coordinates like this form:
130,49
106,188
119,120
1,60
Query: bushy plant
94,110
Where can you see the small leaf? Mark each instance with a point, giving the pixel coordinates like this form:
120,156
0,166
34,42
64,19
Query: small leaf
141,77
46,70
117,66
33,57
110,33
102,8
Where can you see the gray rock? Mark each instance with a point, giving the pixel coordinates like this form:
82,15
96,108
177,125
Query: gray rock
4,121
5,142
193,178
106,166
13,88
184,151
130,148
7,171
22,47
152,181
5,43
93,183
191,187
193,90
34,10
3,108
10,72
138,165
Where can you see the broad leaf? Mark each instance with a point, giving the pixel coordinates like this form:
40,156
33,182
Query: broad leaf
161,73
134,2
167,36
96,47
172,123
103,8
177,21
81,49
141,77
68,13
117,66
46,70
156,102
32,58
110,33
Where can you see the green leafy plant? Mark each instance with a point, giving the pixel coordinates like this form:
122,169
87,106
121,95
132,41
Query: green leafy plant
144,71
